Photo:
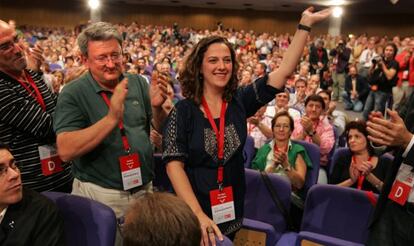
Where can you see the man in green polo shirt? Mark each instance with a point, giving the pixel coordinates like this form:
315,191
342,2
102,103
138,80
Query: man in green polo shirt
103,121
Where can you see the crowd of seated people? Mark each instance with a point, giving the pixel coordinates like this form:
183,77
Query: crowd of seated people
150,50
147,46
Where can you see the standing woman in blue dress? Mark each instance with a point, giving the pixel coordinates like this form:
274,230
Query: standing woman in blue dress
205,133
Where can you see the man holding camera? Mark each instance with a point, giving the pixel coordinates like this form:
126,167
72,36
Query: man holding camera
340,56
382,77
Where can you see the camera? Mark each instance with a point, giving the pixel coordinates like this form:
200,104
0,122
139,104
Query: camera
376,60
340,48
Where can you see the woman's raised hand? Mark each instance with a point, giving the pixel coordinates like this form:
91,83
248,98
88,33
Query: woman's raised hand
309,17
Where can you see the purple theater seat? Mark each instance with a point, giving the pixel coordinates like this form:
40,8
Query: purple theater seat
248,152
260,212
315,156
87,222
338,214
324,240
340,152
334,147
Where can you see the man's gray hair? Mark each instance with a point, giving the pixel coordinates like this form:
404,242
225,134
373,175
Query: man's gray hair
99,31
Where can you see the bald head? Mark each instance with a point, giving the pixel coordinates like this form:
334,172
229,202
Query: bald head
12,58
4,28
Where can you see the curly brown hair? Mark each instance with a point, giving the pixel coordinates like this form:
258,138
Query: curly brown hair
191,78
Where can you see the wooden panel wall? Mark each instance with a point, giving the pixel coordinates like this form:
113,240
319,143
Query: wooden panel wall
71,12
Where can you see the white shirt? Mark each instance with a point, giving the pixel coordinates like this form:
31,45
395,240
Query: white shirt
366,57
2,214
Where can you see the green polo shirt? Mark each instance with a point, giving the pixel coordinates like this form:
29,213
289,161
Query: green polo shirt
80,105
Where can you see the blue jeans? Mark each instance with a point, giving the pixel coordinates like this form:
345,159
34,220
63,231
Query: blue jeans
375,102
352,104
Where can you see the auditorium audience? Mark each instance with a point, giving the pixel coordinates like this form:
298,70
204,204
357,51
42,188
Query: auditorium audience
149,49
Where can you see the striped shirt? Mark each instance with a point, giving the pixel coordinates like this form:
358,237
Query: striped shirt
24,126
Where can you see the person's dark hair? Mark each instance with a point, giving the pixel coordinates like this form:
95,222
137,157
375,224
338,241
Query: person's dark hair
325,92
302,79
98,31
161,219
394,47
315,98
360,126
284,113
69,58
191,78
354,66
4,146
263,65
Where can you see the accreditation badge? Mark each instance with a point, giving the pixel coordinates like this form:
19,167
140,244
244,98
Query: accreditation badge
49,160
222,205
401,190
130,171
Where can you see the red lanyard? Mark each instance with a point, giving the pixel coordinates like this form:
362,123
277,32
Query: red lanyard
320,54
36,95
276,149
360,178
120,125
219,135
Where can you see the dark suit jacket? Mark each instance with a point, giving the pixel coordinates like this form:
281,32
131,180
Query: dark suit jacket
407,113
314,58
33,221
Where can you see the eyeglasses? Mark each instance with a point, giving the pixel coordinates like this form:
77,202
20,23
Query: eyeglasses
9,45
4,168
104,59
277,126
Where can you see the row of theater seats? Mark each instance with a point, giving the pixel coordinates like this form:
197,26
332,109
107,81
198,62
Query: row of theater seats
333,215
88,222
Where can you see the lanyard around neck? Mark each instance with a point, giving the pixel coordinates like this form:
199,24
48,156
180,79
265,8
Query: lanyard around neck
276,149
35,93
125,142
219,134
361,178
